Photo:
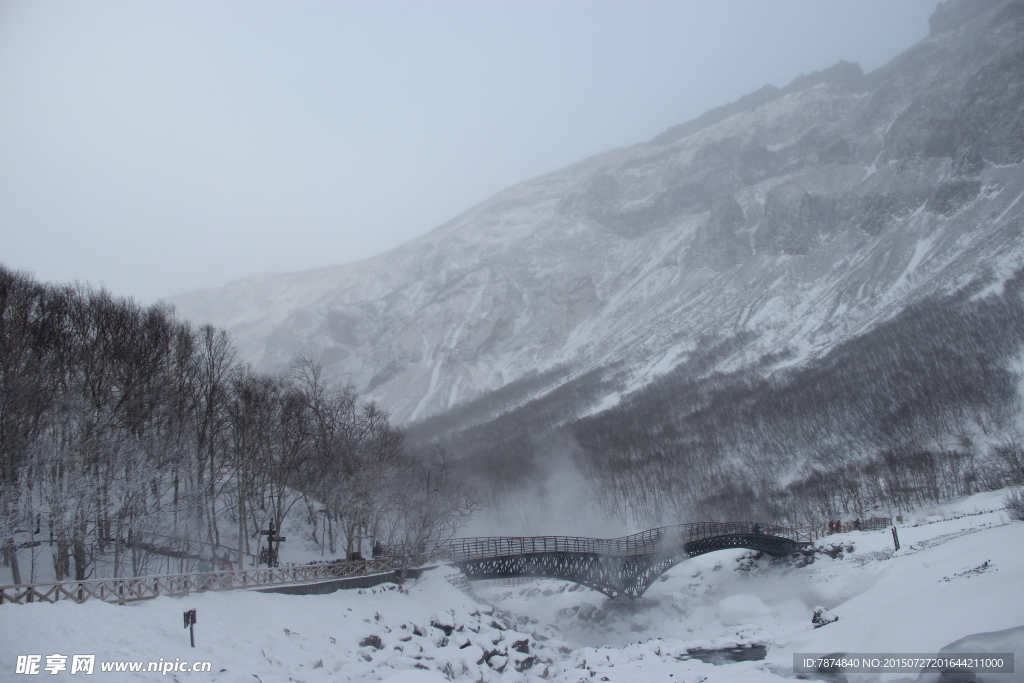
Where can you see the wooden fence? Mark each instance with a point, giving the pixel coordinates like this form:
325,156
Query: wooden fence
125,590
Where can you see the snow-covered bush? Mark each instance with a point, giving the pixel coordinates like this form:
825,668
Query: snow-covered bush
1014,501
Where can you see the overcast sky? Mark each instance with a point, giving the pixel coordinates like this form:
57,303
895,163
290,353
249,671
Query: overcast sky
160,147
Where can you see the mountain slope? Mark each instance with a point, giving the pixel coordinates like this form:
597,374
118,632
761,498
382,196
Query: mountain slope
792,219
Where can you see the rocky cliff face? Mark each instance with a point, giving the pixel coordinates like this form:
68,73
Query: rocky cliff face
791,219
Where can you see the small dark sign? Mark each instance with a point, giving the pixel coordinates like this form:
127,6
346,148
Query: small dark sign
190,621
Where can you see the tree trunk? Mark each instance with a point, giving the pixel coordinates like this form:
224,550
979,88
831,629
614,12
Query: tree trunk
81,559
241,529
330,533
11,558
62,558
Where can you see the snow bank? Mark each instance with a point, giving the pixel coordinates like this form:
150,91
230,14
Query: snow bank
934,591
430,631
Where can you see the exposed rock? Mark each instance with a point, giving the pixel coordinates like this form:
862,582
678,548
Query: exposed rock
948,198
372,641
952,14
822,617
444,621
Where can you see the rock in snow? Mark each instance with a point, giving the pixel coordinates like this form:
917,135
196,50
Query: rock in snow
822,616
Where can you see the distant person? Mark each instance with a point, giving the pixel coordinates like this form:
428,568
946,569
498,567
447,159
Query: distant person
757,529
226,564
856,524
205,568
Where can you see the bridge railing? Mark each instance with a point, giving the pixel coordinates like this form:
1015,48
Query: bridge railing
131,589
642,543
701,530
476,548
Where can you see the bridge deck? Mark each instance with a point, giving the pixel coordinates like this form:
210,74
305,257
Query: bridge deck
650,542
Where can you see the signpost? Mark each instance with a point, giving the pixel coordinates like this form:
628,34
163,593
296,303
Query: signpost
270,553
190,622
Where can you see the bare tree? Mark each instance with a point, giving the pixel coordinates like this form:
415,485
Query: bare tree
434,505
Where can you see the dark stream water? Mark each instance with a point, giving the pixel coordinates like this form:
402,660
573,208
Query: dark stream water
728,655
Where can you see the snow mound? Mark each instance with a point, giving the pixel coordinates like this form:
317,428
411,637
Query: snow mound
416,677
740,609
1008,640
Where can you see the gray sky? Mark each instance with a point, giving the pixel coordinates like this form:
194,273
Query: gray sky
159,147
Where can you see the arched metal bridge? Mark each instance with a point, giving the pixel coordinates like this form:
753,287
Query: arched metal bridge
616,566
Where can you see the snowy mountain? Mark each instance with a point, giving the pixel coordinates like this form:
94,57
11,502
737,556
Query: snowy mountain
789,220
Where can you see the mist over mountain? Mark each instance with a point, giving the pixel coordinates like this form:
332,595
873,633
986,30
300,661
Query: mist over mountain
751,242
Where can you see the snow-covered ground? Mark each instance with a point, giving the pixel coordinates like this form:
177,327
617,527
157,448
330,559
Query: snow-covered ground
960,572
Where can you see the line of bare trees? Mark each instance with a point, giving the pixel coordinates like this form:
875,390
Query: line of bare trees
921,408
131,442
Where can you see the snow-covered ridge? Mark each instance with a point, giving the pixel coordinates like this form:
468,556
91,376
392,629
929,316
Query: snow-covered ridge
801,218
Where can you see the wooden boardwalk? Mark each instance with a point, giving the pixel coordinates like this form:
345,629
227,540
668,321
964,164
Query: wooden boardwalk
132,589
